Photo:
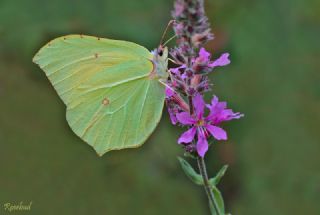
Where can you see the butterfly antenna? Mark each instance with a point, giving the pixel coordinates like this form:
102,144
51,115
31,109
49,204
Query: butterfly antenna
165,31
171,38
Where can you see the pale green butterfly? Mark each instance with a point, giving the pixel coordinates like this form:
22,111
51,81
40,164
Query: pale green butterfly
112,89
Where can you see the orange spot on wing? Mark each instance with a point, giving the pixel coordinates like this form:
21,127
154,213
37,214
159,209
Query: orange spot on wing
105,101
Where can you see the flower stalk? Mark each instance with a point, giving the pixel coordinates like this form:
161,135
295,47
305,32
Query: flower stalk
204,174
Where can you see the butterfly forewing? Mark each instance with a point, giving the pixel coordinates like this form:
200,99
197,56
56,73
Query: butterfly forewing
111,101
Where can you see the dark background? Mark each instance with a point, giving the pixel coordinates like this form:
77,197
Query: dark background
273,152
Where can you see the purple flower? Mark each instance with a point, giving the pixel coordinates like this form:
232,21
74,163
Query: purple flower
203,61
169,92
172,113
177,70
223,60
204,126
204,56
219,113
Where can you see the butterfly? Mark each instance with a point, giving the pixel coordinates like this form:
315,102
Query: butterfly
112,89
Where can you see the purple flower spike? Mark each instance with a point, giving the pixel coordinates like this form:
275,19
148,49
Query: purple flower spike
189,79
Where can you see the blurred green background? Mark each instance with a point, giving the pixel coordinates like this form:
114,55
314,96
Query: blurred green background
274,79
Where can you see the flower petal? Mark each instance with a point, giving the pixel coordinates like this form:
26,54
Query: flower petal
204,55
185,118
216,132
214,100
199,105
172,115
223,60
187,136
220,113
202,144
176,70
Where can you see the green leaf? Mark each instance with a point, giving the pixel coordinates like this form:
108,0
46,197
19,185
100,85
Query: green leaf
215,180
190,172
219,199
217,194
197,179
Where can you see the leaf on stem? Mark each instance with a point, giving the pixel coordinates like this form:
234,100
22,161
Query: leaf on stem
197,179
219,199
190,172
215,180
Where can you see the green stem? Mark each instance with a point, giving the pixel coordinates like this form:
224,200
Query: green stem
204,174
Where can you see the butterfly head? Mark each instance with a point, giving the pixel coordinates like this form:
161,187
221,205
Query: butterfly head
160,61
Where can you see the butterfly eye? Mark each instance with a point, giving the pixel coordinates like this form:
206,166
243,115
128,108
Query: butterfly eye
160,52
